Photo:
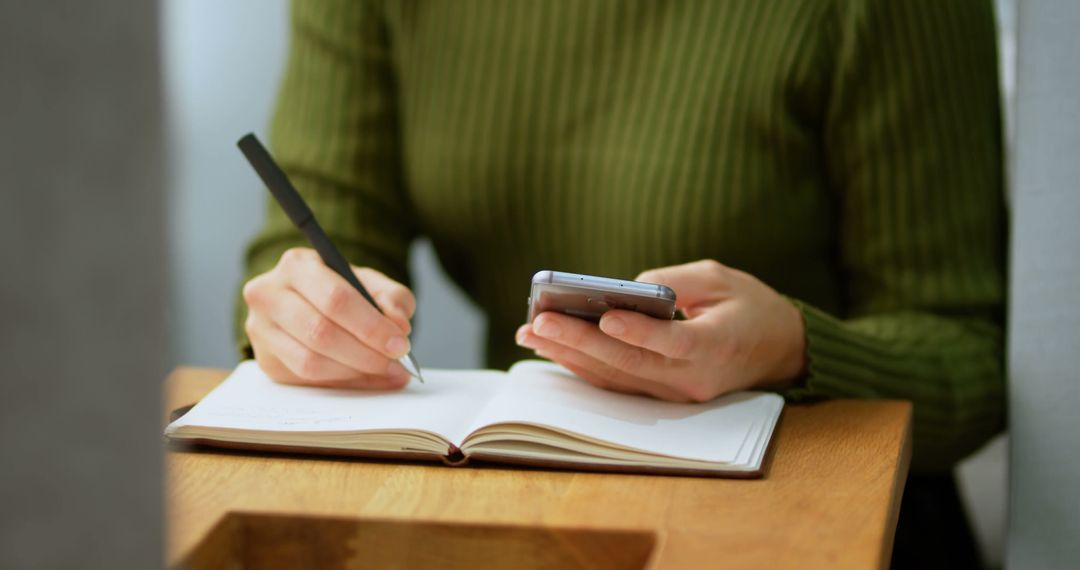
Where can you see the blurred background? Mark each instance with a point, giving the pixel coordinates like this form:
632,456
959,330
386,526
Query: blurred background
126,206
222,64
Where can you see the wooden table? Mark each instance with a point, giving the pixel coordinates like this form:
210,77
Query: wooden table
829,500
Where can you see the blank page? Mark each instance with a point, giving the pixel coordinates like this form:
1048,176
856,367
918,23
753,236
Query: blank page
548,395
249,400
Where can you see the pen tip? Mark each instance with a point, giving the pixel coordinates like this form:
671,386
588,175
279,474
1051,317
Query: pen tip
410,363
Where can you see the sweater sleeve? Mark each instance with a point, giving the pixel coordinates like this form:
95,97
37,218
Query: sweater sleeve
912,139
335,133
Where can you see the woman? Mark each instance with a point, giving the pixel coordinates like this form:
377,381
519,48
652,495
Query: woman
819,181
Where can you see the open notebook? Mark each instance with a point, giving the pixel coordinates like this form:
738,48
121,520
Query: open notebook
536,414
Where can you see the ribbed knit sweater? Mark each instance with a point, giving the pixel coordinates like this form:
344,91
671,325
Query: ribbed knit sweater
845,152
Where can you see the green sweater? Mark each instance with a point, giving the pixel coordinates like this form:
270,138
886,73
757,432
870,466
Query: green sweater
846,152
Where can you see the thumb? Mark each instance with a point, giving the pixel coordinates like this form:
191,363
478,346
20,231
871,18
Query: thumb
696,283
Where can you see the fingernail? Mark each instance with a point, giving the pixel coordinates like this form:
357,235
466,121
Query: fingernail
397,346
613,326
547,329
397,372
520,335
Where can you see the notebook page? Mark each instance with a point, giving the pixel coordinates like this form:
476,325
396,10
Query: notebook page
548,395
249,400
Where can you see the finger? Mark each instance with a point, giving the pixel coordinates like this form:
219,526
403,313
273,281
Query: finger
361,382
599,373
589,339
674,339
273,367
607,377
288,361
335,298
281,374
393,297
694,283
300,320
304,363
590,377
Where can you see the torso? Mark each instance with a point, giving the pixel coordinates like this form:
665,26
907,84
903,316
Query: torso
612,137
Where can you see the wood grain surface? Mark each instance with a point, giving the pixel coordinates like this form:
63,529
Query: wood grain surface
829,499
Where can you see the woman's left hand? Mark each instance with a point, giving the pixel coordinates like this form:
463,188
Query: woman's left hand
738,334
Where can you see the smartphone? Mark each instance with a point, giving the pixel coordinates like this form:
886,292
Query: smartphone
588,296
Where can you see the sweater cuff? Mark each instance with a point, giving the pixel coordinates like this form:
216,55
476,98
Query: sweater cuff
834,355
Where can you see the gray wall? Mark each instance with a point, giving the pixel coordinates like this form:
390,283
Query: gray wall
81,285
223,63
1044,390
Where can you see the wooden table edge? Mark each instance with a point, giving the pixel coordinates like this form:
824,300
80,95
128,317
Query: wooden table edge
210,377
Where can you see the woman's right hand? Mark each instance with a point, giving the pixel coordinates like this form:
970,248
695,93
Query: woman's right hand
308,326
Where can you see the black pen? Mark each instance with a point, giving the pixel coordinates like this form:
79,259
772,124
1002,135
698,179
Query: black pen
301,215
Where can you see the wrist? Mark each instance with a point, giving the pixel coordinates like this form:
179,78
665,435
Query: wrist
792,363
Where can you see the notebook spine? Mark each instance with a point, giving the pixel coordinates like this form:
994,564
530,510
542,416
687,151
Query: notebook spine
455,457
